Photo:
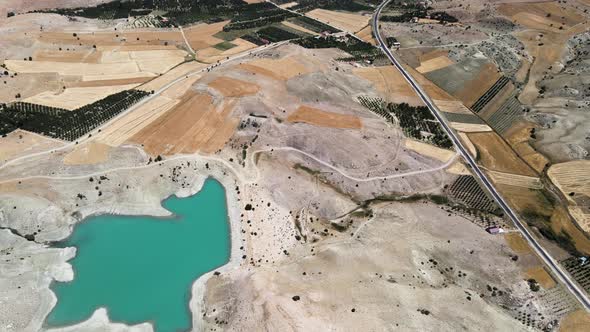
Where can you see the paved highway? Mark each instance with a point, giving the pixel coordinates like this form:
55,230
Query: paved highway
557,270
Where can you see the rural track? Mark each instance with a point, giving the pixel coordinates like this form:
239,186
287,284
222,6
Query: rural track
545,256
233,170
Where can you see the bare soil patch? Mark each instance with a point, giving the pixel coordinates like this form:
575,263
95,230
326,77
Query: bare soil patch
231,87
518,137
577,321
88,154
279,69
317,117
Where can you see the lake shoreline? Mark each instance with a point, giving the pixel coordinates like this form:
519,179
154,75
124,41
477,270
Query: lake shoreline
99,318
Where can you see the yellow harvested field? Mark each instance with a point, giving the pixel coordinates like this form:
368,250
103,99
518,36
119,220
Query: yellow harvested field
188,129
280,69
434,64
541,276
73,98
101,82
200,36
496,155
298,27
72,69
576,321
517,243
516,180
165,79
470,127
366,34
88,154
178,90
322,118
344,21
571,176
254,1
452,106
20,142
122,129
468,144
91,56
390,83
574,177
230,87
430,151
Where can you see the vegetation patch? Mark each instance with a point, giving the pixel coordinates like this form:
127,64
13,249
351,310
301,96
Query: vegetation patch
416,121
64,124
224,46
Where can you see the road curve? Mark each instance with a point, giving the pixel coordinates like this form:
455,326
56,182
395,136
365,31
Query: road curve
557,270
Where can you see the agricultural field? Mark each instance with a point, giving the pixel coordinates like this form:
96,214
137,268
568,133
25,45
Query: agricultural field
322,118
573,180
348,22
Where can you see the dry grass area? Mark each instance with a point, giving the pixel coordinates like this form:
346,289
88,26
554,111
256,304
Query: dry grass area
517,243
278,69
429,150
390,83
472,90
576,321
109,82
288,5
496,155
88,154
516,180
468,144
470,127
541,276
561,221
20,142
231,87
366,34
525,200
73,98
188,129
452,106
434,64
541,15
344,21
317,117
518,137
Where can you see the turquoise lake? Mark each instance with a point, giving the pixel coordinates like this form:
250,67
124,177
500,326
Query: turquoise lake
142,268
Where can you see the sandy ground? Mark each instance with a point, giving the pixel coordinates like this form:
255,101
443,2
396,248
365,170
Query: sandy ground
576,321
322,118
344,21
230,87
88,153
280,69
